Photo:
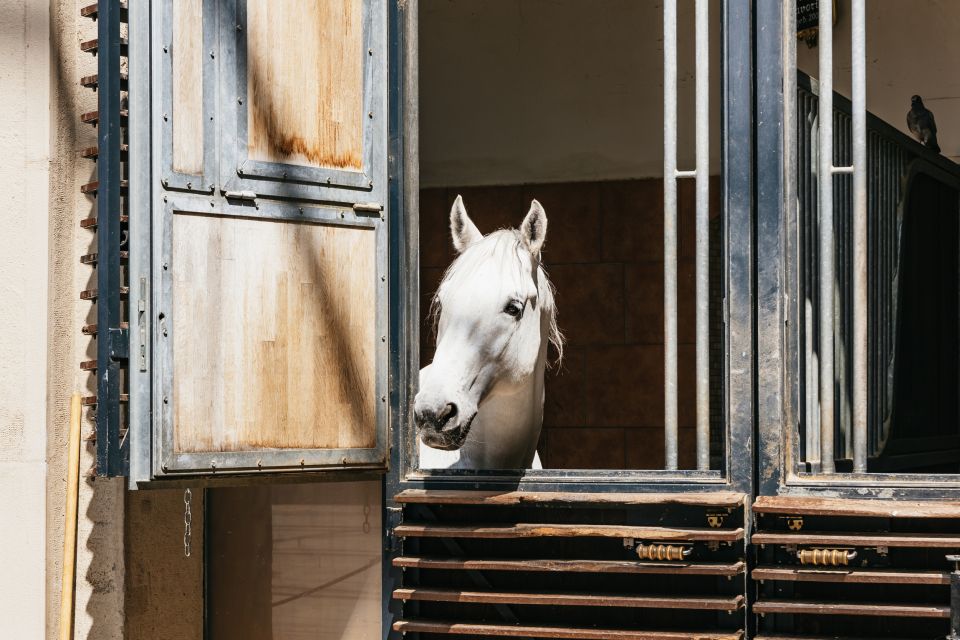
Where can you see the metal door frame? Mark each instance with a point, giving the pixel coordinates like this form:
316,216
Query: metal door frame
778,376
737,196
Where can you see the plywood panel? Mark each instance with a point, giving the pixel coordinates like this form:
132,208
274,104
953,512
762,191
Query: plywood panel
274,334
305,82
304,565
187,60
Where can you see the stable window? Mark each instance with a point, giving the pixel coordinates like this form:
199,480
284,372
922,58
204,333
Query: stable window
549,102
870,255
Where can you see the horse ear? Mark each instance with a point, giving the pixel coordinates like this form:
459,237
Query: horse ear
534,228
462,229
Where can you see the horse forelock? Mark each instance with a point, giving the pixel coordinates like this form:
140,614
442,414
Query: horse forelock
504,248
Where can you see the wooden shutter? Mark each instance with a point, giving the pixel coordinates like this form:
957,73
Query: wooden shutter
265,259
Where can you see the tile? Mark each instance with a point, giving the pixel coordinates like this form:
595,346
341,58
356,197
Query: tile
590,302
643,299
564,396
624,386
631,214
573,215
585,448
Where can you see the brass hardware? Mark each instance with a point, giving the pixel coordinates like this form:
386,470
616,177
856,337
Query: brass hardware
715,520
826,557
794,523
662,551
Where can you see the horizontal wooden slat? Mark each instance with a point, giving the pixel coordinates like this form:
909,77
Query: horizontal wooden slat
88,365
525,530
91,222
574,566
858,576
91,11
91,188
92,400
93,117
91,81
566,633
722,499
92,46
92,153
923,540
864,508
569,599
91,294
852,609
794,637
91,258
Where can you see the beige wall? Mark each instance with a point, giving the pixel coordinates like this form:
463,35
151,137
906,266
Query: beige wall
912,48
24,138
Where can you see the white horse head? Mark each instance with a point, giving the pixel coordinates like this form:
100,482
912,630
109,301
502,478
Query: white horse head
480,404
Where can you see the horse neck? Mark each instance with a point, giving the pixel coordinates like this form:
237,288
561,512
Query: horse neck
506,430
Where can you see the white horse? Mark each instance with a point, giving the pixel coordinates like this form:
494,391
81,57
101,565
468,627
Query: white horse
480,404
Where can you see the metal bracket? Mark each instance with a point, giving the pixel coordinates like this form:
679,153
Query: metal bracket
240,195
715,520
794,523
119,343
367,208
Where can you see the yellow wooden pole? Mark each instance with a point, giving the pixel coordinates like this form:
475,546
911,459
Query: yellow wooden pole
70,522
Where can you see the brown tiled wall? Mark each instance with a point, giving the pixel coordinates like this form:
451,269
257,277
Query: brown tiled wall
604,253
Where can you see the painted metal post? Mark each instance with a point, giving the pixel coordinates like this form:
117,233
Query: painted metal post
825,184
859,90
670,233
703,233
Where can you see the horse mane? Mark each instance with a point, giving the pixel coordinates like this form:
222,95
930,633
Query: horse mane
500,245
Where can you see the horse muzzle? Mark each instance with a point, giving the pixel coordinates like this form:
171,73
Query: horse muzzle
444,428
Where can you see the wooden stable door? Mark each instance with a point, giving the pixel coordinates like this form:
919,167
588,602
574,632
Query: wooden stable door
267,274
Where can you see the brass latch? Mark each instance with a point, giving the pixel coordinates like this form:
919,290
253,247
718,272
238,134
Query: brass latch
662,551
826,557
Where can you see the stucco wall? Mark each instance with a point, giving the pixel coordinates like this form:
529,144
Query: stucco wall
24,112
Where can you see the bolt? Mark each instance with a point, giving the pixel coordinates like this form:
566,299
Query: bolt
369,52
166,400
239,100
166,182
383,398
166,266
189,185
164,117
383,338
301,210
164,467
164,332
211,54
383,278
343,460
165,48
370,184
239,171
370,115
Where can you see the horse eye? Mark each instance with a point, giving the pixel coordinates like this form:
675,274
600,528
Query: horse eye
514,309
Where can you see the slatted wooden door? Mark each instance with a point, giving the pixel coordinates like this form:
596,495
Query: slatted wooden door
266,276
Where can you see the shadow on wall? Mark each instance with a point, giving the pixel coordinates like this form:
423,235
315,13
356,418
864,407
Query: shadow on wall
604,254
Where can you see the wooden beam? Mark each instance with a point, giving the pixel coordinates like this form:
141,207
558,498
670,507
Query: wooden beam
922,540
566,633
525,530
853,609
569,599
575,566
857,508
855,576
723,499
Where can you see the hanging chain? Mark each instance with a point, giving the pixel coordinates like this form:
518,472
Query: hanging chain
187,521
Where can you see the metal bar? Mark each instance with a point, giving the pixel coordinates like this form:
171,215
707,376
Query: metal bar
859,90
825,184
702,30
111,461
670,233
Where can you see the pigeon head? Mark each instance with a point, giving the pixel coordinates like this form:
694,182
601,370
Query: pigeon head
916,101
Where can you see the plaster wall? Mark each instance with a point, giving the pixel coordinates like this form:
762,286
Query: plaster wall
24,171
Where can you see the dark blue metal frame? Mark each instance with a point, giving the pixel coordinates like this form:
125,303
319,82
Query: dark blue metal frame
776,301
112,341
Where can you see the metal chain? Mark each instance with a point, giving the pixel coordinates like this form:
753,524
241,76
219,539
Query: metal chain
187,521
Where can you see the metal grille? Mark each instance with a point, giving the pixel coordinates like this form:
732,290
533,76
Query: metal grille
886,163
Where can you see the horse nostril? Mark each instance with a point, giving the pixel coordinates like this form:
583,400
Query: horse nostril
449,412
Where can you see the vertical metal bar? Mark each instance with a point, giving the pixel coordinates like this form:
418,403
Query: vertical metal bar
825,183
954,598
670,233
702,31
109,456
859,90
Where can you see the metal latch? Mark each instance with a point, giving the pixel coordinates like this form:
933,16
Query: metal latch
372,208
240,195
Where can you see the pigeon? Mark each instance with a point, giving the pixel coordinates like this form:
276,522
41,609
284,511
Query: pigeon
921,124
